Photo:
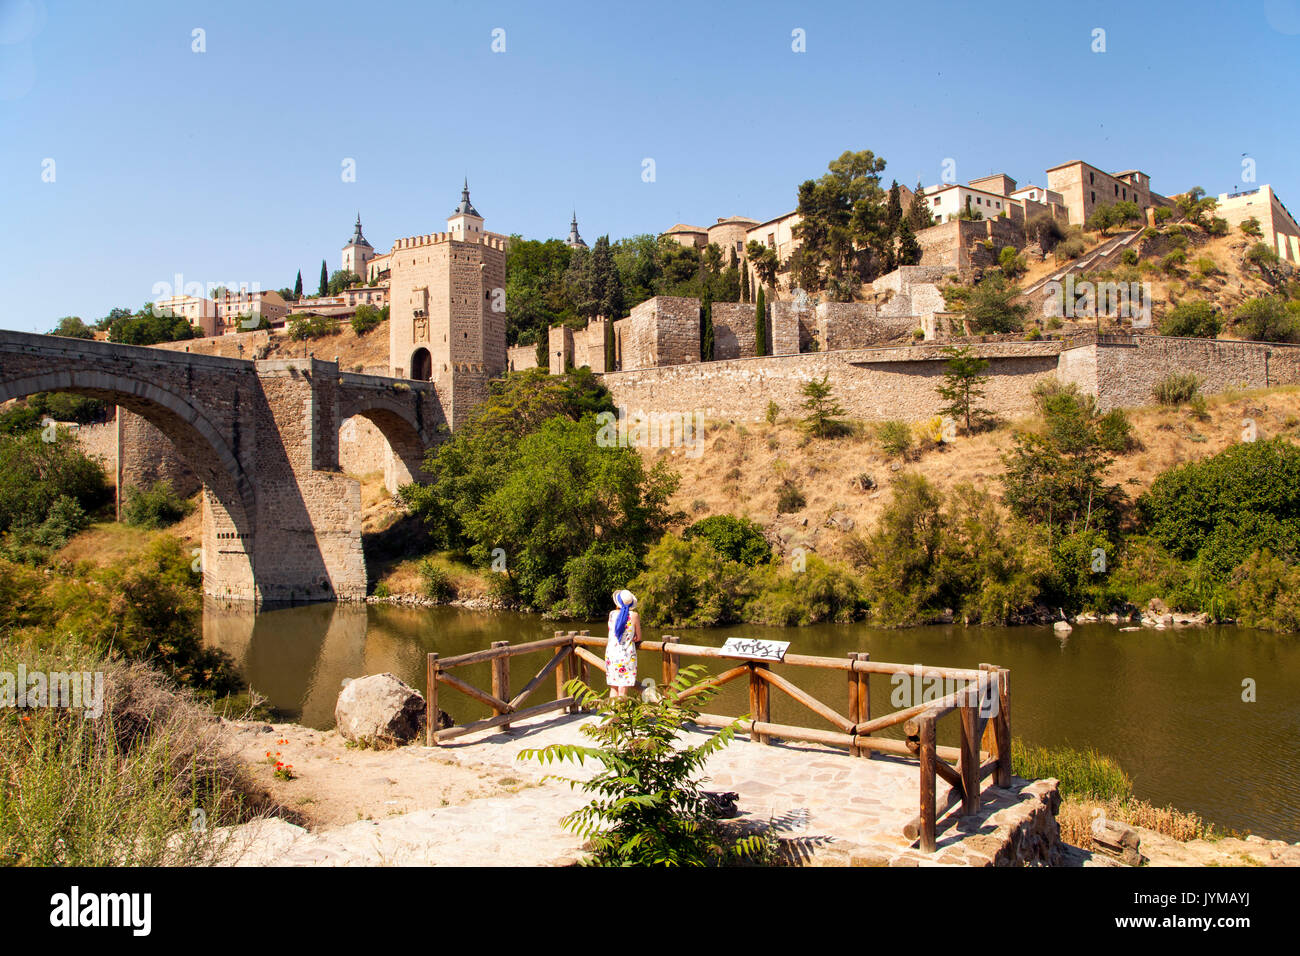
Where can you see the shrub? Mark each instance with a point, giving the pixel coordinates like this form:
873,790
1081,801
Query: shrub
688,583
1261,255
736,539
1267,593
773,410
303,327
991,307
1171,263
594,575
34,474
789,498
1193,318
436,581
1115,432
1250,227
1267,318
156,507
1071,248
648,808
365,318
822,420
787,598
1218,227
1224,508
895,438
1176,388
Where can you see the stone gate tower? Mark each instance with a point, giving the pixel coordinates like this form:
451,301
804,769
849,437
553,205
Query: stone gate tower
447,308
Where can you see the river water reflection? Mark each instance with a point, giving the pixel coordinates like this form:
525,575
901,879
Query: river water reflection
1167,704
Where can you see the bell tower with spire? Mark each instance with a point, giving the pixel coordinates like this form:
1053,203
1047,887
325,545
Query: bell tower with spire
465,224
357,252
575,241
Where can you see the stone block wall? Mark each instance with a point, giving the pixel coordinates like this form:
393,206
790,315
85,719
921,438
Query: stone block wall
785,324
146,456
733,330
520,357
560,351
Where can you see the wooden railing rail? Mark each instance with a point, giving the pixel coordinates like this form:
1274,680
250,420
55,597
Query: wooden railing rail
982,704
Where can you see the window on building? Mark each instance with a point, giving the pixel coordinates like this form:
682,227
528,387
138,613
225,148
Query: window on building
1091,180
937,200
1094,196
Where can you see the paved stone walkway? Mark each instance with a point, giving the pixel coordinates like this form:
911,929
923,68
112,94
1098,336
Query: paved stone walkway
828,808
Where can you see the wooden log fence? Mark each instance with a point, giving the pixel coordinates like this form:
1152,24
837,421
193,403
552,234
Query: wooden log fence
981,706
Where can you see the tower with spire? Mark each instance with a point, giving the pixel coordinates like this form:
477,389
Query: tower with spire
357,253
465,224
575,241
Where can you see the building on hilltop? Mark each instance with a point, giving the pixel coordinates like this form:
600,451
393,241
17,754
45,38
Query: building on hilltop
575,241
1084,187
357,253
447,307
1278,226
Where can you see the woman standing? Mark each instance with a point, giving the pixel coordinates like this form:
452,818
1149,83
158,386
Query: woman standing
620,649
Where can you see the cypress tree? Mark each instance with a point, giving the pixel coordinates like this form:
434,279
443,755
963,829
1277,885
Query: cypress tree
297,287
760,323
706,327
324,279
918,215
909,250
744,282
894,211
609,344
606,287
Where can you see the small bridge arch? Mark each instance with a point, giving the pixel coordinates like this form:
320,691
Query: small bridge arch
407,414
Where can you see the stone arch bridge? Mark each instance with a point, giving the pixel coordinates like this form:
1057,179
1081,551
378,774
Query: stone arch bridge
281,522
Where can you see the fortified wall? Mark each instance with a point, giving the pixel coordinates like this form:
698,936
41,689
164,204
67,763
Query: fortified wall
879,384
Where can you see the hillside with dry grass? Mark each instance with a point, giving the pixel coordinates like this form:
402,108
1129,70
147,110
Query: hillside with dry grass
845,481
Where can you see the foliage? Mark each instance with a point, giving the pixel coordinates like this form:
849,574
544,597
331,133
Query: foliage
534,474
71,327
365,318
34,474
820,591
991,307
1223,509
594,575
435,581
149,326
963,386
687,582
649,809
760,323
1196,206
895,438
154,507
1267,318
1192,317
1250,227
789,497
1266,593
1176,388
1011,262
923,557
736,539
1056,476
822,420
310,326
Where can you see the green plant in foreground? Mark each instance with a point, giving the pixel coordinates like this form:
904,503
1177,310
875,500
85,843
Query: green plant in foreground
648,809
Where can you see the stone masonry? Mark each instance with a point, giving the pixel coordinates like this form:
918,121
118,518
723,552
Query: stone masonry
281,522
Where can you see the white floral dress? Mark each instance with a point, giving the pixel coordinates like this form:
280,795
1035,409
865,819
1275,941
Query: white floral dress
620,656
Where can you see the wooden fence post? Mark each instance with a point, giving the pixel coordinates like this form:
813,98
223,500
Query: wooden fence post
431,701
501,679
562,672
927,757
669,661
1002,729
860,690
969,761
758,700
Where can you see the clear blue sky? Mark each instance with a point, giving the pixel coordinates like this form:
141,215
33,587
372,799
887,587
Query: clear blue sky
225,165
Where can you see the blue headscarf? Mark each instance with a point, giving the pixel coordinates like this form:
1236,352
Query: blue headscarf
624,600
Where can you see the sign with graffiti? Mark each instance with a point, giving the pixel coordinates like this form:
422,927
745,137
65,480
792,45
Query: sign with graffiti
755,649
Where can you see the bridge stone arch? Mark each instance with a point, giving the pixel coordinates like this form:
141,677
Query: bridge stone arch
408,417
229,498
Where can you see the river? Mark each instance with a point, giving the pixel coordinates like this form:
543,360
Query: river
1168,705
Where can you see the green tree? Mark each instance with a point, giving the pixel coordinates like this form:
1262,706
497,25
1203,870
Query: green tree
744,281
736,539
1192,317
343,279
991,307
1268,318
606,287
297,287
909,248
822,420
1196,206
535,288
764,262
963,386
324,280
71,327
706,327
894,208
918,214
760,323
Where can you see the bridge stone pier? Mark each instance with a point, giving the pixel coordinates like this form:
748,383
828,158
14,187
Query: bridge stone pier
281,522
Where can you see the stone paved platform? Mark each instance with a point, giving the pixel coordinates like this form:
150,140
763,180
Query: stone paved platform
828,809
